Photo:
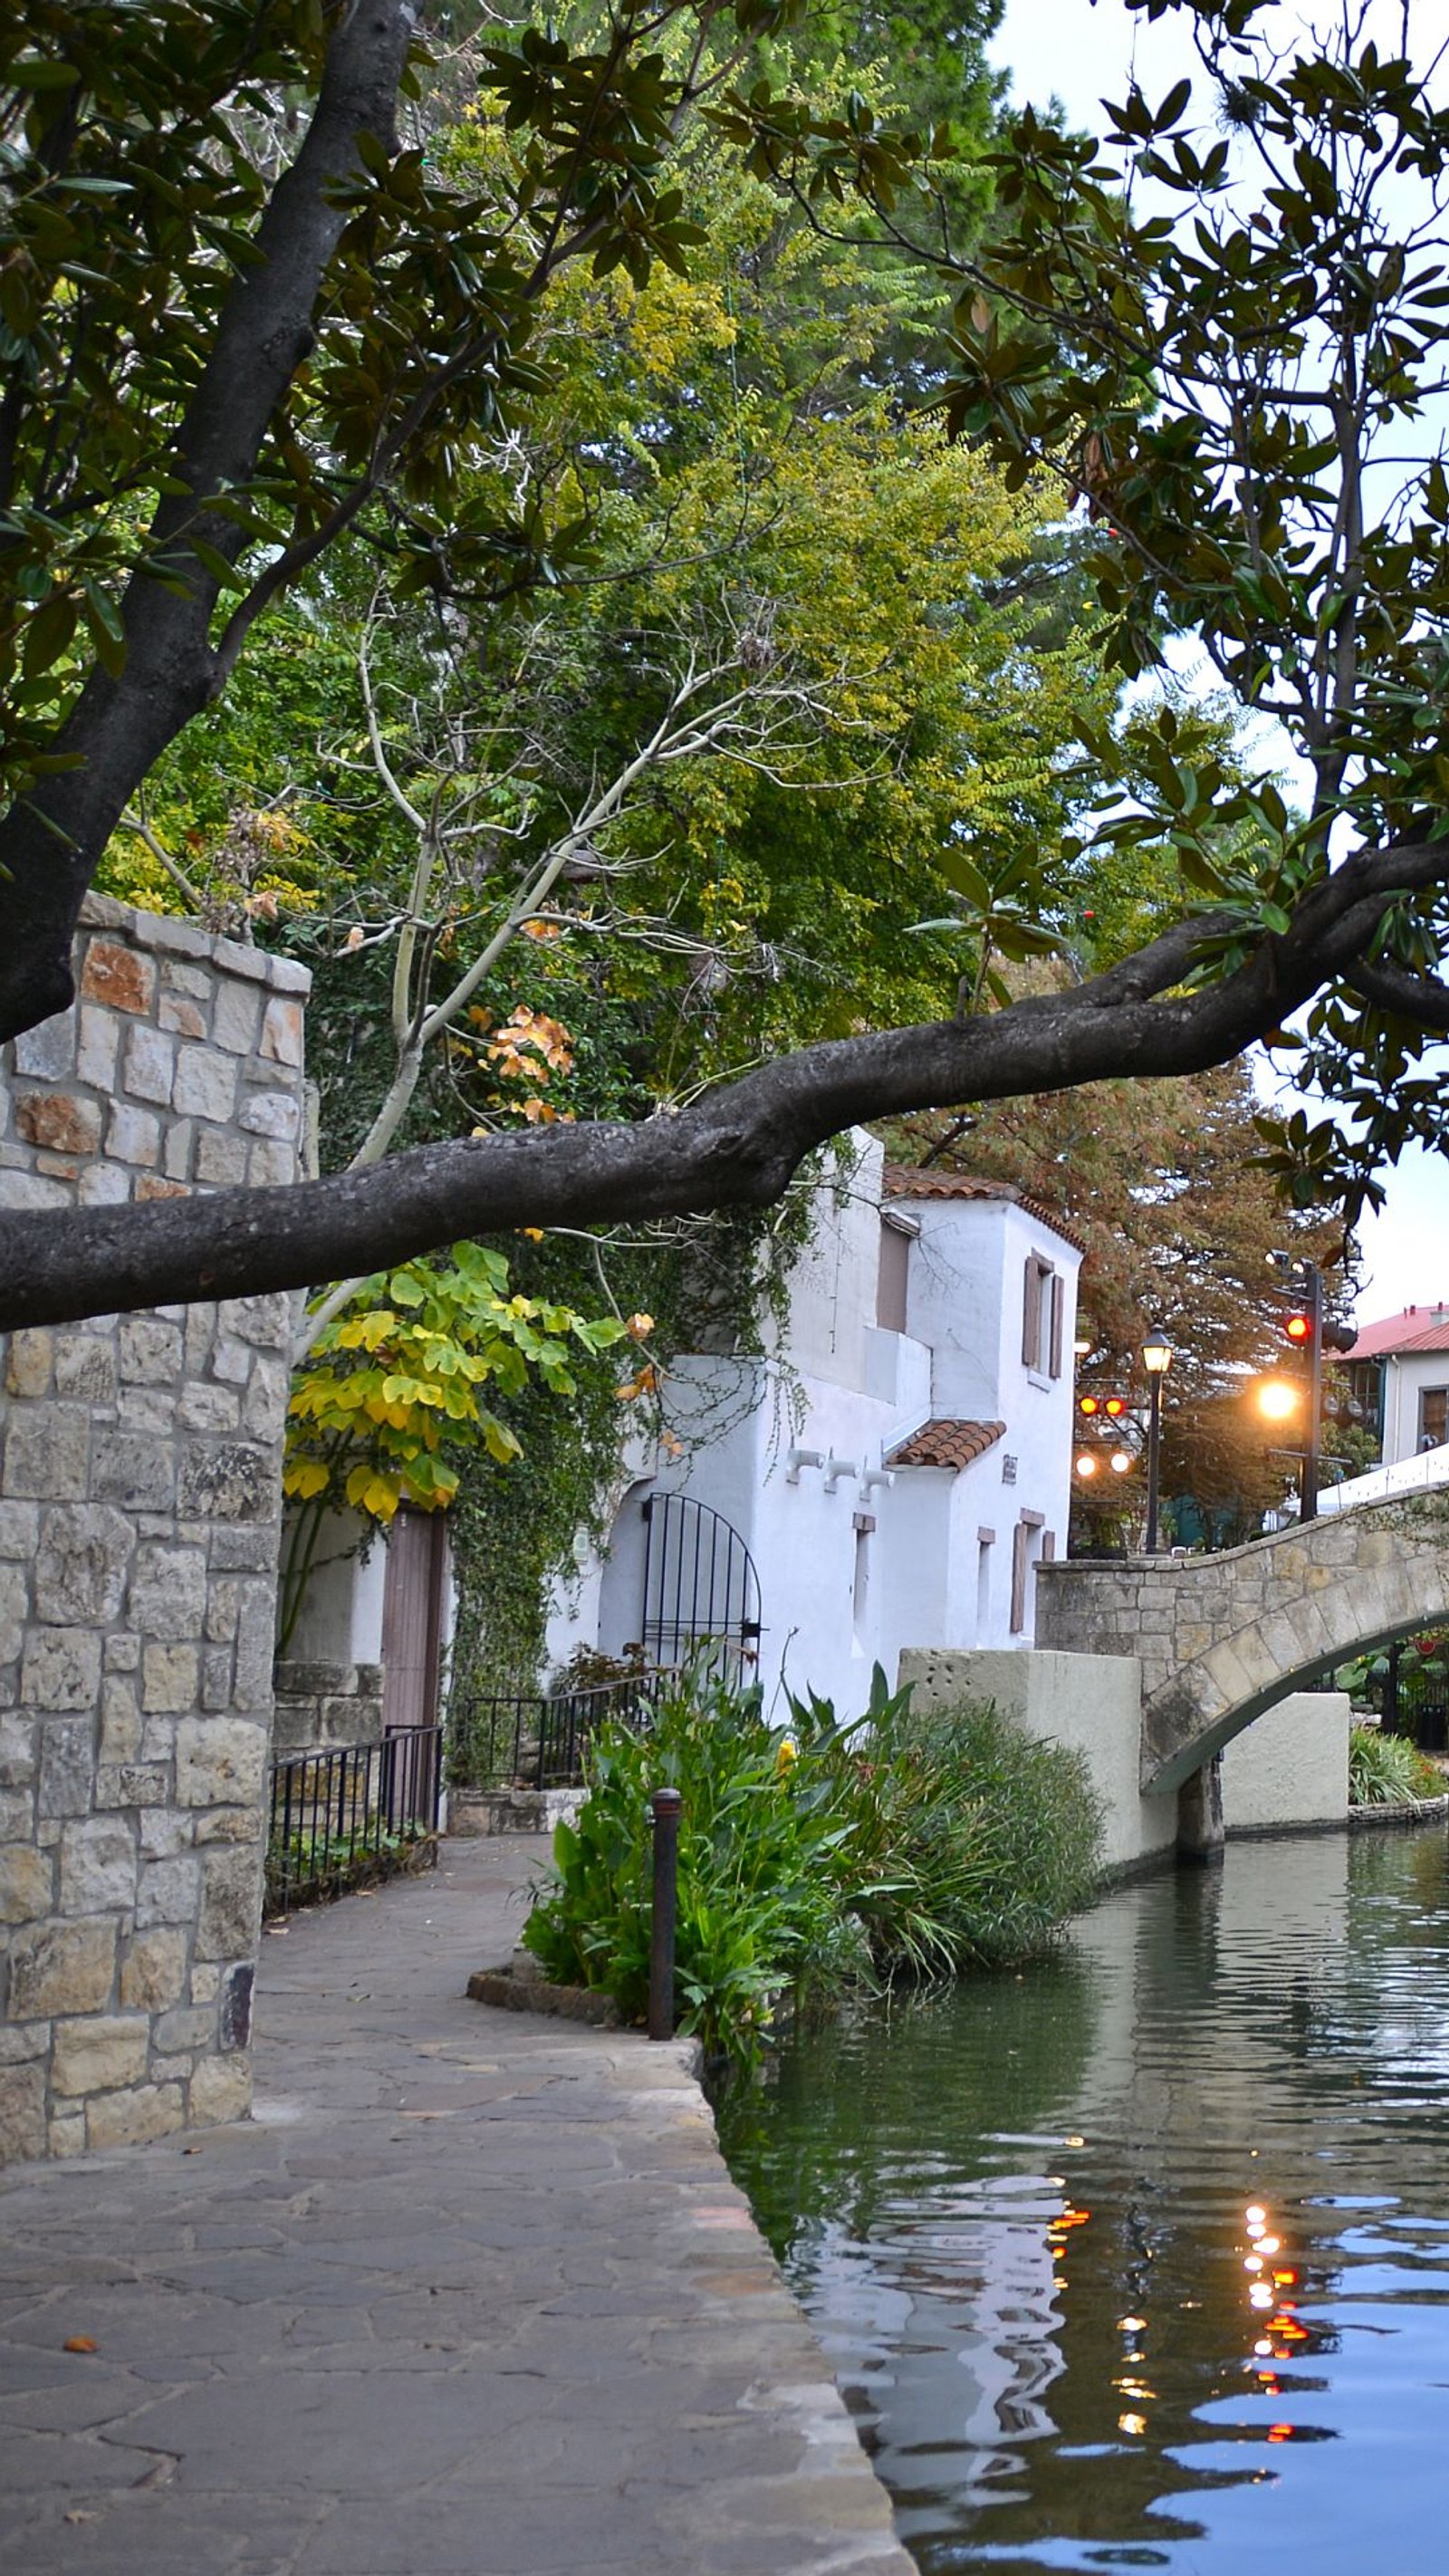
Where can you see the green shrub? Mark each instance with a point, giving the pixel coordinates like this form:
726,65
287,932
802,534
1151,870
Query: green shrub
1388,1771
823,1858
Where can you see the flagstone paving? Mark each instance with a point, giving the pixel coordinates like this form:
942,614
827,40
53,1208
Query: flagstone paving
472,2295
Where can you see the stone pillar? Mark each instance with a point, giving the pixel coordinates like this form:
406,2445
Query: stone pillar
1200,1813
139,1517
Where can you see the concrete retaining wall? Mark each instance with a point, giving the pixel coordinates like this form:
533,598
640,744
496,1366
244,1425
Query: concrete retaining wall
139,1498
1289,1769
1093,1703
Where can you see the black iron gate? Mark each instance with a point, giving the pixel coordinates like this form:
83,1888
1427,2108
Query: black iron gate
700,1586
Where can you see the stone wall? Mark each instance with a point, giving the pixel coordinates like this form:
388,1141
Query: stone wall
139,1515
319,1705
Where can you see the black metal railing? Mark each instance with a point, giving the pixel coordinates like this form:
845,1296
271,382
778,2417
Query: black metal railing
536,1740
1413,1701
349,1814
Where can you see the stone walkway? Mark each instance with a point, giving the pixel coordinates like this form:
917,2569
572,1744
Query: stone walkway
473,2295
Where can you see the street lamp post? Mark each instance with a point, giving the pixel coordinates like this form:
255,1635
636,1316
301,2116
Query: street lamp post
1157,1360
1310,1331
1312,1278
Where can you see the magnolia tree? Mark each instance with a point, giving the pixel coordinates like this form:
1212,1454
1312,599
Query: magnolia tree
245,317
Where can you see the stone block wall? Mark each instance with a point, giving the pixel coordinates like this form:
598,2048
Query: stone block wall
139,1515
320,1705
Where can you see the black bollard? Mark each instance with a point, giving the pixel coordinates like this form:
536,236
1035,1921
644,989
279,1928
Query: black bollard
664,1807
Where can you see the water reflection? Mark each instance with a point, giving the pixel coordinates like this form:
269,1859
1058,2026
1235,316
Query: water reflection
1143,2260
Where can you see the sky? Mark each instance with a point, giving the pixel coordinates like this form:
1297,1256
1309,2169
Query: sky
1082,53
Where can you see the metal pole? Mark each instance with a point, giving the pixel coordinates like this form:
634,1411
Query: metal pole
1154,1436
664,1807
1308,1509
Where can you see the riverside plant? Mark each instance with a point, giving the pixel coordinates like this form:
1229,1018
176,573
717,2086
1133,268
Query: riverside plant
823,1859
1388,1771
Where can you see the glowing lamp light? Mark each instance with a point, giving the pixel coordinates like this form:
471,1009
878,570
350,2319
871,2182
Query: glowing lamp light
1131,2423
1255,2214
1088,1404
1086,1464
1275,1400
1121,1461
1299,1329
1157,1354
1261,2294
1115,1406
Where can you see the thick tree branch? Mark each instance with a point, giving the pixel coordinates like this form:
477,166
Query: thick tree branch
738,1148
52,840
1421,998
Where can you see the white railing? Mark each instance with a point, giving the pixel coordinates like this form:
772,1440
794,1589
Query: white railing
1409,1476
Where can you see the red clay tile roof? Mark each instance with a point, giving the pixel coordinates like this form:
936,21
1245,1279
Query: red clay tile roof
946,1442
1418,1328
904,1181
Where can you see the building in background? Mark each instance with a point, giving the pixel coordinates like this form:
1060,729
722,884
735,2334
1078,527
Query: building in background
887,1471
1399,1375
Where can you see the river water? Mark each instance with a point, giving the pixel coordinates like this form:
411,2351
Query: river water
1142,2259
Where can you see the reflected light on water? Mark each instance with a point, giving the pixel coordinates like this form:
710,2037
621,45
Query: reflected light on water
900,2165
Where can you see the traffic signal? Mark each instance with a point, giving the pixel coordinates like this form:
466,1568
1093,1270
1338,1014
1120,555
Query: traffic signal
1299,1329
1088,1404
1115,1407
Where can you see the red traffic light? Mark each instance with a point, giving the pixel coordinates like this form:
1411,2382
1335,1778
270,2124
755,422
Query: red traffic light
1299,1329
1088,1404
1115,1406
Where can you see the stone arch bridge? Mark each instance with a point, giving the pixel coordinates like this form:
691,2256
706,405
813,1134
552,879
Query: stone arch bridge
1221,1638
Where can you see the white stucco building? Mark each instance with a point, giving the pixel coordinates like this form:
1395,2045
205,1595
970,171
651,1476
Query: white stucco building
888,1472
1400,1376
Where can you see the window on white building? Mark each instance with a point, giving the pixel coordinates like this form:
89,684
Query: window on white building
860,1590
1433,1416
985,1542
894,1275
1044,1315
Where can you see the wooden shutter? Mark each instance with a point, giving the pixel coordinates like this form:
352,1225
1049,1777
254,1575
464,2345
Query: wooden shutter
412,1617
1020,1541
1059,1317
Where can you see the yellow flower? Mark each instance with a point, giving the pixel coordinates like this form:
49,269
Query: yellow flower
787,1757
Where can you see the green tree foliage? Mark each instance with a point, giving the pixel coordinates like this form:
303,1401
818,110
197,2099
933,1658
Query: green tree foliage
309,328
1221,330
389,1405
